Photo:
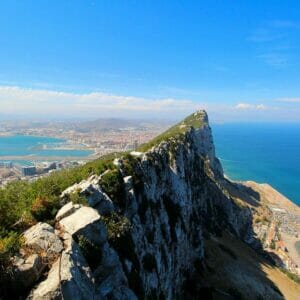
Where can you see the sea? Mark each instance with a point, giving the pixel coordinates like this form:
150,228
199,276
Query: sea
25,145
265,153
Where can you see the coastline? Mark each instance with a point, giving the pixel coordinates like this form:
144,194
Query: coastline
286,215
48,151
283,214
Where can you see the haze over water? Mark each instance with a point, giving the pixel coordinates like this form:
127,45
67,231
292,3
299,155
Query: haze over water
265,153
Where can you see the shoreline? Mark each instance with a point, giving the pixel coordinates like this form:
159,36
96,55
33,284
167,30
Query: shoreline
286,214
262,184
33,158
65,145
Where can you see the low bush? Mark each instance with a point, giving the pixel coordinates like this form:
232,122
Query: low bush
91,252
113,185
117,226
9,243
77,198
40,209
23,203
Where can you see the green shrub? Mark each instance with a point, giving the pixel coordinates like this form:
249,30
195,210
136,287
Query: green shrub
113,185
41,209
22,203
116,225
76,198
126,248
9,244
131,168
176,131
91,252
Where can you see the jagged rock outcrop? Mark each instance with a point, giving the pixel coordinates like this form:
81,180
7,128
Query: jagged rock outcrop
91,190
173,200
42,238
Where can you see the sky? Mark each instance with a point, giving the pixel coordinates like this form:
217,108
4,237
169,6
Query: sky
239,60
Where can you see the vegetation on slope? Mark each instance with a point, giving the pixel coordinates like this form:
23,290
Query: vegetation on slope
195,120
23,203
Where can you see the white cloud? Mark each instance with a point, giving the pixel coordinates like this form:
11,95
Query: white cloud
14,100
248,106
290,100
243,106
48,104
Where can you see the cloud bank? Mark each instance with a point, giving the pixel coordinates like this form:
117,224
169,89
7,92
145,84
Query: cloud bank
17,100
25,103
248,106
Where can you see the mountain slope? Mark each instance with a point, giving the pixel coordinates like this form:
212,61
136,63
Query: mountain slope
159,225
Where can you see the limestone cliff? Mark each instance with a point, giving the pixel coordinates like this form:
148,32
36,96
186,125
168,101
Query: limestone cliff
150,229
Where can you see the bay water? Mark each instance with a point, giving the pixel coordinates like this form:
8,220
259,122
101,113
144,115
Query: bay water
265,153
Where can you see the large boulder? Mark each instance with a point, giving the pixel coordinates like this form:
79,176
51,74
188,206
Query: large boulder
85,221
42,239
92,191
69,278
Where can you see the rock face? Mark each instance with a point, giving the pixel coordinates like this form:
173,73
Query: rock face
91,189
69,278
29,270
41,238
172,198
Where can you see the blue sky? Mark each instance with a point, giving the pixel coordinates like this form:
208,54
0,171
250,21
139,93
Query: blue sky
240,60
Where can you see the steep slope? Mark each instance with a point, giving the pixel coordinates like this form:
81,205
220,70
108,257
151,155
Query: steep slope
159,225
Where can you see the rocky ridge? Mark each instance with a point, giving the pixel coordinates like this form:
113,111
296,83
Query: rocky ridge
144,232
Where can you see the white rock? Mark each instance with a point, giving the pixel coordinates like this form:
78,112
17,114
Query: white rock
69,278
92,191
117,162
136,153
49,288
41,238
66,210
85,221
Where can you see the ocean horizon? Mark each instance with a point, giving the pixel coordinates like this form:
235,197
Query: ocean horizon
265,153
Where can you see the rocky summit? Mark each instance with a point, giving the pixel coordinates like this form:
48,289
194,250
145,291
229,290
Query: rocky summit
161,223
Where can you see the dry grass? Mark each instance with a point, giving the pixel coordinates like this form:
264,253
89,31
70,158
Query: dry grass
251,275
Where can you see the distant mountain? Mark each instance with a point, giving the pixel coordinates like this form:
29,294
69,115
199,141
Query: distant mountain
111,123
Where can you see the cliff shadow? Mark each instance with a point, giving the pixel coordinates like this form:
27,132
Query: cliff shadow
233,270
243,192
